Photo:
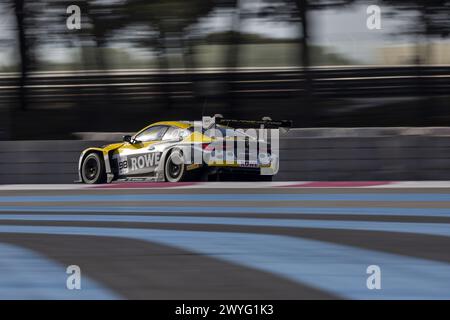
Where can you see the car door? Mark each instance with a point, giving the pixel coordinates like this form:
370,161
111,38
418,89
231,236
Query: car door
139,158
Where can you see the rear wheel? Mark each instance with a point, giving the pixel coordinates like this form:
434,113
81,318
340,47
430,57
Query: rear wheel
93,169
174,168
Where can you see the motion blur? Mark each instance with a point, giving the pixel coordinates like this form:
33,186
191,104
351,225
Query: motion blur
333,63
359,205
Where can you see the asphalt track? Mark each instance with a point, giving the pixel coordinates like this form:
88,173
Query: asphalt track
229,242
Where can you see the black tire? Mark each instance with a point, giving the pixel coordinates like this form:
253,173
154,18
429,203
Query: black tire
93,169
174,168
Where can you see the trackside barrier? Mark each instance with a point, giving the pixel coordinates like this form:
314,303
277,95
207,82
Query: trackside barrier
306,155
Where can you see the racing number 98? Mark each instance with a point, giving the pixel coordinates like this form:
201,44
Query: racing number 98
123,165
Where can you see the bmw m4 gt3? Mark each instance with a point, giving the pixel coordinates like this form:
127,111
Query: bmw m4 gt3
176,151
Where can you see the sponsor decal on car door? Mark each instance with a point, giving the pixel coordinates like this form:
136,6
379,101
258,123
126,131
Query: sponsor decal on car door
137,159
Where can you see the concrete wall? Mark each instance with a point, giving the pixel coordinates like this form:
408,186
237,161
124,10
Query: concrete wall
40,161
306,154
371,158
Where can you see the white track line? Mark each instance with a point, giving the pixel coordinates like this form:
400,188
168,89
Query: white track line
225,185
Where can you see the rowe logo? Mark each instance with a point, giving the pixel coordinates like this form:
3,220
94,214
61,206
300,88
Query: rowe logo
144,161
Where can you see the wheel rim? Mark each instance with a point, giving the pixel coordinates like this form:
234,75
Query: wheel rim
91,169
174,170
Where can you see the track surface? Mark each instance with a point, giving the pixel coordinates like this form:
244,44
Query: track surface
225,243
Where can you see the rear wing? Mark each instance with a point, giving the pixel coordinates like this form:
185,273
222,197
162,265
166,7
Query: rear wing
269,124
266,122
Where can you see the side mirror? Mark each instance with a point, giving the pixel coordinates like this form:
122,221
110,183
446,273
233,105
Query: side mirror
127,138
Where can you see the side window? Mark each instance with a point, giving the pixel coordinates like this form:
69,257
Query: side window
151,134
173,133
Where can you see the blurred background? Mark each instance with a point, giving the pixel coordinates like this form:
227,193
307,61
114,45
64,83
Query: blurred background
135,61
371,107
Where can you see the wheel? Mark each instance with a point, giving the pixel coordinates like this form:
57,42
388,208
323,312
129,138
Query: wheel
93,169
174,168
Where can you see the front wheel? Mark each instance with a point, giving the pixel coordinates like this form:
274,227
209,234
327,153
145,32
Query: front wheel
93,169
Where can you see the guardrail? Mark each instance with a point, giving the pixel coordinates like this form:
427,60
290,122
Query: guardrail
417,155
334,82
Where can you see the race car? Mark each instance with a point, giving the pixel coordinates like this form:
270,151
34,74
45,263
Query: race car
174,151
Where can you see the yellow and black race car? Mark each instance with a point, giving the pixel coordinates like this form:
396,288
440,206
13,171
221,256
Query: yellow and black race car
188,150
